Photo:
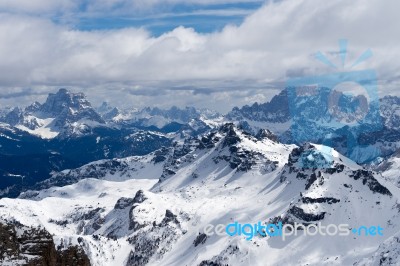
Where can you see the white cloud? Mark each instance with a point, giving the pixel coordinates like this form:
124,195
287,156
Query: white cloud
37,6
275,42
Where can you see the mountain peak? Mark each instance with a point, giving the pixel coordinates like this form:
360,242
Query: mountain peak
60,102
105,107
63,111
69,107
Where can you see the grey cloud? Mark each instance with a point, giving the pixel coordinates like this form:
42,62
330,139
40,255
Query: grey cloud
11,93
147,91
274,43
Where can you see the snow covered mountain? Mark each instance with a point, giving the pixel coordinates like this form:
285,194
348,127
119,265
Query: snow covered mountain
63,113
153,209
27,160
63,132
359,129
159,117
139,187
5,110
169,120
66,132
389,167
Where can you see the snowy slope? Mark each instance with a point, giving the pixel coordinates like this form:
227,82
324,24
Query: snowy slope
44,127
160,117
133,167
388,253
63,212
389,168
227,175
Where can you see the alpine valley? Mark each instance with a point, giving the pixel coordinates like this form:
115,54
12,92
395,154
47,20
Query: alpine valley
106,186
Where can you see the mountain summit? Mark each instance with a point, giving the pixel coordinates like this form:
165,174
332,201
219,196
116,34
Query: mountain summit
63,112
69,106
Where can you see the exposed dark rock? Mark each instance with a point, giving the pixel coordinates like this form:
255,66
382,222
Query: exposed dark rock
328,200
307,217
301,175
73,255
35,246
368,179
147,242
169,171
231,138
208,141
336,168
123,203
139,197
200,239
160,155
265,133
169,217
311,180
223,258
211,263
59,222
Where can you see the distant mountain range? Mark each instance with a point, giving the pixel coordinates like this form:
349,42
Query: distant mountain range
63,113
67,132
313,119
106,186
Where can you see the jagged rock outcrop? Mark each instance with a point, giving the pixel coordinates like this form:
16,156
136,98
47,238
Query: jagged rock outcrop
35,246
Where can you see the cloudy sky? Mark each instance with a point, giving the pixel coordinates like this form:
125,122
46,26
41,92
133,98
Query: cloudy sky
206,53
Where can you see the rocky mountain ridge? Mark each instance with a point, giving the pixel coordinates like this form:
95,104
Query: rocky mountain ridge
149,210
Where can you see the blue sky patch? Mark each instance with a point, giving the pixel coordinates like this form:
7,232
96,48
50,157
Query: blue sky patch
203,18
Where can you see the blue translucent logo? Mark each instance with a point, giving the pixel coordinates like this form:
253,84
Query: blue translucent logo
271,230
336,109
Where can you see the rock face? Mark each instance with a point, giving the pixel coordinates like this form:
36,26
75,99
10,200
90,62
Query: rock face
222,259
69,107
35,246
13,117
353,124
154,241
324,181
227,142
275,111
390,106
64,107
